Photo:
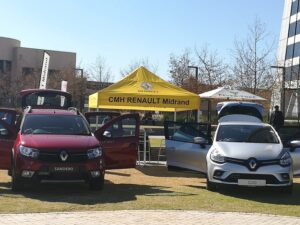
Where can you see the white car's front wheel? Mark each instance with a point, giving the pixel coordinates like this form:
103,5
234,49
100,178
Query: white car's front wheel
210,185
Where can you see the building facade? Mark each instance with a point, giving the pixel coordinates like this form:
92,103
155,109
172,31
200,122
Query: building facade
16,62
19,61
289,59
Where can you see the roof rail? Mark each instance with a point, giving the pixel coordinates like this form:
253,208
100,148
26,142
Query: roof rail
28,109
74,109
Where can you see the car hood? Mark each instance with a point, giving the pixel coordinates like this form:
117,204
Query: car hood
50,142
249,150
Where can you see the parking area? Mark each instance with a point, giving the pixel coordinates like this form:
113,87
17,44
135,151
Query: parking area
147,188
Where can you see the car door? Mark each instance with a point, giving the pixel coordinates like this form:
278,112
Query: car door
287,134
182,149
98,119
8,133
119,139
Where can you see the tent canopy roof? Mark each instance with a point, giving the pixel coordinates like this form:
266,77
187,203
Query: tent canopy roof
143,90
230,94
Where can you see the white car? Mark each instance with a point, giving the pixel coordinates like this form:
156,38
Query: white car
244,151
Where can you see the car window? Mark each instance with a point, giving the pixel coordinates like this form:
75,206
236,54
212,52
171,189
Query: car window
123,128
98,121
186,132
47,100
246,133
240,109
55,124
289,133
7,117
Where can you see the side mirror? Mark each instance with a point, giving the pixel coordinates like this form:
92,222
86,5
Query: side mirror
294,144
107,134
201,141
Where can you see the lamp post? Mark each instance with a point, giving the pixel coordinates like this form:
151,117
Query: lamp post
196,75
282,102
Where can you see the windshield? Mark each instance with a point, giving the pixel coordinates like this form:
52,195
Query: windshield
246,133
55,124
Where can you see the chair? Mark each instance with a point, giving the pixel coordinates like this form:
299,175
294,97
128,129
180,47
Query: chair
161,150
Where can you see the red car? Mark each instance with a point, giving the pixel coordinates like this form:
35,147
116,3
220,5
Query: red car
51,141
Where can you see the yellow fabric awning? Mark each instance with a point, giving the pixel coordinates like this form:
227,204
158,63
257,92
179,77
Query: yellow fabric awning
143,90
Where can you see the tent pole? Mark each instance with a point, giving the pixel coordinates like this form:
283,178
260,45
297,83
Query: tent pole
145,146
174,116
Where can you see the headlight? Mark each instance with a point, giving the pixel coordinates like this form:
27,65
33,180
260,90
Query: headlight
285,159
28,152
217,157
94,153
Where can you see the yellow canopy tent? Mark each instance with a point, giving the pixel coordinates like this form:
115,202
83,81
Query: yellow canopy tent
143,90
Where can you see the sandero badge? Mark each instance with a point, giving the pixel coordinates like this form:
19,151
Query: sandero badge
51,141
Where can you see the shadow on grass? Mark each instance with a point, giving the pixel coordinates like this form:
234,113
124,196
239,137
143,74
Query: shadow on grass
162,171
263,194
80,193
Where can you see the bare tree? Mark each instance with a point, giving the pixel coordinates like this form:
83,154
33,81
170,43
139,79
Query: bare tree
252,56
212,69
179,68
100,71
137,63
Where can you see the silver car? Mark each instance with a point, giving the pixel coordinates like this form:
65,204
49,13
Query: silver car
248,154
244,151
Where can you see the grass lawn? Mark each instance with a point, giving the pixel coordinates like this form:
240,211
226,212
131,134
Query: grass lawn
147,188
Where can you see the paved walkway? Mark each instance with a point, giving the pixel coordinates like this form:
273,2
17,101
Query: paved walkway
148,217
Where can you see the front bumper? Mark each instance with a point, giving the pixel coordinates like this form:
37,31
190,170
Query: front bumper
235,174
43,171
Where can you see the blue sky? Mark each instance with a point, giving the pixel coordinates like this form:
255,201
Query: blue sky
122,31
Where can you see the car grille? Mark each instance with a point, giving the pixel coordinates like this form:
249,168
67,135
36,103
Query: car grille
47,173
259,163
73,157
270,179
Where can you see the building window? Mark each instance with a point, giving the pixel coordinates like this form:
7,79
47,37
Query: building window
288,73
294,7
295,72
27,71
5,66
292,29
297,49
289,52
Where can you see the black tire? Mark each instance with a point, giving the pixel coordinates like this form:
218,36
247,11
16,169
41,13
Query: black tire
287,189
97,183
16,181
210,186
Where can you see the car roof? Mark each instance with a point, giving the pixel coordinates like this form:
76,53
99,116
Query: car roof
52,112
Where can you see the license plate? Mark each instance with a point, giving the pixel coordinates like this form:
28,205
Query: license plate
244,182
63,169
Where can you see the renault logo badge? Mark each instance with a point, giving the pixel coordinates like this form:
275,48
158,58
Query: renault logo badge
252,164
147,86
63,156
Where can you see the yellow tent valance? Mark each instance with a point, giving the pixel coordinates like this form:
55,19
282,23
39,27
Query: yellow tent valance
143,90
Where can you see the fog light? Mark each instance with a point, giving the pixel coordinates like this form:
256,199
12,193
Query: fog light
218,173
95,173
27,173
285,176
